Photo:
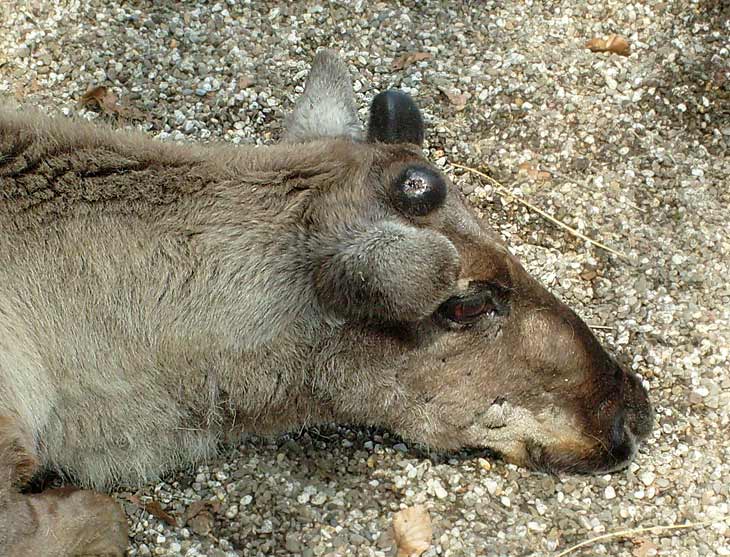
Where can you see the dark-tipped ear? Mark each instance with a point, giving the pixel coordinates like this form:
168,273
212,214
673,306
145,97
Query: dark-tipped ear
327,106
395,118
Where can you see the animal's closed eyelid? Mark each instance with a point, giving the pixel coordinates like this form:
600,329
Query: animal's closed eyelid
466,286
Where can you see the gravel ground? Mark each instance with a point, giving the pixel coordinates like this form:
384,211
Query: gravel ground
631,151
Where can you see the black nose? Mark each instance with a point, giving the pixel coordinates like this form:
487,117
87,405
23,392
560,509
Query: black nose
630,424
639,413
621,441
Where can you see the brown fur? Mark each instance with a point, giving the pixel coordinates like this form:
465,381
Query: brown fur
155,298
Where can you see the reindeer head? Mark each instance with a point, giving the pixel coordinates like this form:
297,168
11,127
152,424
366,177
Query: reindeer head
438,332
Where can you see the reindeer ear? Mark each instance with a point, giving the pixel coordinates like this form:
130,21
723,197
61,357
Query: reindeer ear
327,106
395,118
384,271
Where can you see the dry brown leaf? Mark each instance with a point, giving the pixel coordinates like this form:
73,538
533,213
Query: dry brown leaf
458,100
156,510
412,531
18,91
21,90
405,60
198,518
643,547
529,169
526,167
102,99
615,43
194,509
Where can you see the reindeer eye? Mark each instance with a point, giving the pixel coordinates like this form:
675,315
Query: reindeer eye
468,308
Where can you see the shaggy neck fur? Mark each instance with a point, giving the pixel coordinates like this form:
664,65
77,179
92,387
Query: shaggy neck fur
177,253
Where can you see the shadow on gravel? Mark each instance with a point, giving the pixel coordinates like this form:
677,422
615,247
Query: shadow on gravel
699,77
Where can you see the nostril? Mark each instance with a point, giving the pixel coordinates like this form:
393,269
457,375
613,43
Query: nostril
618,428
621,443
640,415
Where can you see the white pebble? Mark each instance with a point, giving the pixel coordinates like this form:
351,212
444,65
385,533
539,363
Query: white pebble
439,490
491,486
647,478
232,511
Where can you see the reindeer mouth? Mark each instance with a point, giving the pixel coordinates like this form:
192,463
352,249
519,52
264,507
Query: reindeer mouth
595,462
551,443
560,460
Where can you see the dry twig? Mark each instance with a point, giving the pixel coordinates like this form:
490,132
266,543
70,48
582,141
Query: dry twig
504,191
637,531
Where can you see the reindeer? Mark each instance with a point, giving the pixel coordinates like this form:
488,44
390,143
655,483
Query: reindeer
156,298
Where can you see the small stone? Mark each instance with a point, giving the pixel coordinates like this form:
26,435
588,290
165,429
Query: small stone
581,164
609,492
201,523
491,486
647,478
385,540
439,490
698,394
291,543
